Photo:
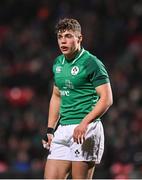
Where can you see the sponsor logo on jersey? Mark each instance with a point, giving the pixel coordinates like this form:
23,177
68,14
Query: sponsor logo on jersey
75,70
69,84
58,69
64,93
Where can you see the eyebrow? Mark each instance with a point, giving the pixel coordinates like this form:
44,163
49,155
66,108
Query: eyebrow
60,34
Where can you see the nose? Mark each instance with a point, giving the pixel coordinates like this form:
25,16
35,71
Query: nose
63,40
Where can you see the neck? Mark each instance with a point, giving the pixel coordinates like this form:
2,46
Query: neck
72,56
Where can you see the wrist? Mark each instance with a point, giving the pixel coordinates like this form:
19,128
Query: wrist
85,122
50,130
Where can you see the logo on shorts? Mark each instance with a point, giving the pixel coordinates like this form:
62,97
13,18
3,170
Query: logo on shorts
75,70
76,153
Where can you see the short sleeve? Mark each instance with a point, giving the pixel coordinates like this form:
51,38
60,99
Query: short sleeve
97,72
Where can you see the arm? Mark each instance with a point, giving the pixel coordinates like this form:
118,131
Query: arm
54,107
105,101
53,116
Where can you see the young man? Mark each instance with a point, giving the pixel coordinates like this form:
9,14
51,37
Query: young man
81,95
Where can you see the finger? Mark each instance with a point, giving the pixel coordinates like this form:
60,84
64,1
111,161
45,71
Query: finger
79,139
82,139
43,141
49,141
75,138
45,145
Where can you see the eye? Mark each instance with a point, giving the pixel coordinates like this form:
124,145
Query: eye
69,35
59,36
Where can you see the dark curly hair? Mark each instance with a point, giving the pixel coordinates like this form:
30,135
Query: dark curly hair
67,24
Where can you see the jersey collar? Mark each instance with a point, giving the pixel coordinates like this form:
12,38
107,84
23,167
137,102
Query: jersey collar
77,56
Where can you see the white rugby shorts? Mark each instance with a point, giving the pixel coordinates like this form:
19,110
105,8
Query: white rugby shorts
64,148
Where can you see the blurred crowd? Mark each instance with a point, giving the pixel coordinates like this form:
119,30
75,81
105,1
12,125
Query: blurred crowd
112,30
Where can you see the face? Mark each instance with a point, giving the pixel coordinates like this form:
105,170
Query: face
69,42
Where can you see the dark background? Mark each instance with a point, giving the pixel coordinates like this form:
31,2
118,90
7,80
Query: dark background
112,30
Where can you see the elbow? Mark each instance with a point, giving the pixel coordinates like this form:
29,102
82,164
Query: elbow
110,102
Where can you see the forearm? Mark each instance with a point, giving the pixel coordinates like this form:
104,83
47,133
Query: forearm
53,116
54,107
102,105
100,108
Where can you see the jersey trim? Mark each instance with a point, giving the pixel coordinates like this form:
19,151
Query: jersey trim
81,53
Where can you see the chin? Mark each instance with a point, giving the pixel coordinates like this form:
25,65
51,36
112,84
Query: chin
66,53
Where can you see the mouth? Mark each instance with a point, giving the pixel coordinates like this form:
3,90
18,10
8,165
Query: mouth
64,48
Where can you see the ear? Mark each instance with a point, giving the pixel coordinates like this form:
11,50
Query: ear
80,38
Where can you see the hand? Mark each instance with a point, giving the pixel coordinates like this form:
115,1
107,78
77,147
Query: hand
79,133
46,141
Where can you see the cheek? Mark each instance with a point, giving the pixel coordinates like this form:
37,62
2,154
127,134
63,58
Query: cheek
73,43
59,42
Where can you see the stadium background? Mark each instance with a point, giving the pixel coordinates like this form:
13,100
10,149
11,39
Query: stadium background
112,30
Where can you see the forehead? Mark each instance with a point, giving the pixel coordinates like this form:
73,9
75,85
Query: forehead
65,31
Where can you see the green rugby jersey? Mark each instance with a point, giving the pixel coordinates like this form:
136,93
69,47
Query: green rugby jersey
76,80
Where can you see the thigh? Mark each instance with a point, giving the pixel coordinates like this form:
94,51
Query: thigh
93,146
56,169
60,145
82,170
